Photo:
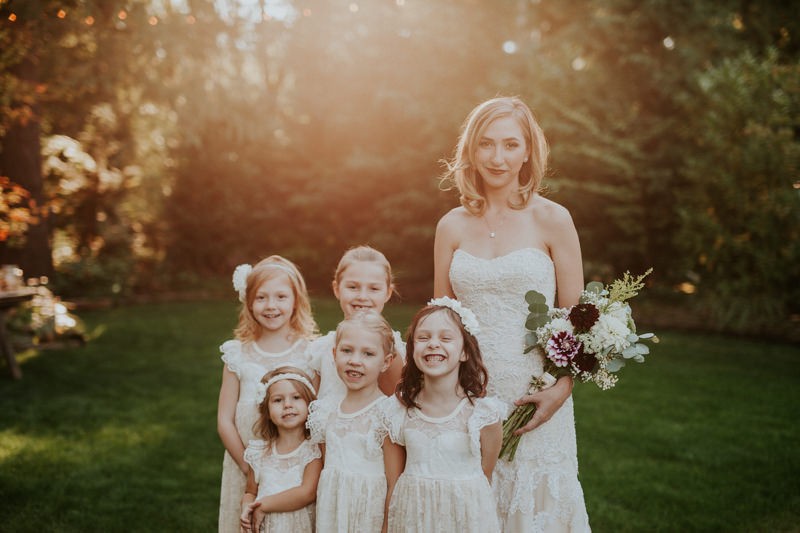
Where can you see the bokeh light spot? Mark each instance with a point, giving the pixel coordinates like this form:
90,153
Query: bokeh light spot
510,47
578,63
669,43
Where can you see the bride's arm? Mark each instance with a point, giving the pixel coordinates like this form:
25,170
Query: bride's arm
444,244
565,250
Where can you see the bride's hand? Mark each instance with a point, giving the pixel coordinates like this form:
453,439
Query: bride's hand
547,402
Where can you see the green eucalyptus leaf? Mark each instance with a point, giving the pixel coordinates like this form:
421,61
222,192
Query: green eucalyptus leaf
615,365
539,308
535,297
595,287
531,338
535,321
629,352
529,348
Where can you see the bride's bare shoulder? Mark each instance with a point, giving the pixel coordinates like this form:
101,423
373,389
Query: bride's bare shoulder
548,213
453,219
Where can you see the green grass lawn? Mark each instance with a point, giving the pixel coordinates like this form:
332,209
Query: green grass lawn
121,434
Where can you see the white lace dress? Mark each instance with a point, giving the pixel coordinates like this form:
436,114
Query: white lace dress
276,473
249,363
443,487
539,491
320,355
352,487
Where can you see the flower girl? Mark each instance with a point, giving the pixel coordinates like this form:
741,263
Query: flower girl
282,484
363,281
450,431
359,458
275,325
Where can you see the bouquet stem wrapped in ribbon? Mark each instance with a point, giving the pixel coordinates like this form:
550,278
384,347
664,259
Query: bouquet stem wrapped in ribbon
590,341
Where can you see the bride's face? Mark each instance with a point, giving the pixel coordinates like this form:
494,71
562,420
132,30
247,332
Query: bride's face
500,152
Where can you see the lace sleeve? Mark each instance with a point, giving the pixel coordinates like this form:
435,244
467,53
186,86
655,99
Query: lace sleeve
232,356
319,413
309,452
487,411
392,415
377,430
317,349
254,454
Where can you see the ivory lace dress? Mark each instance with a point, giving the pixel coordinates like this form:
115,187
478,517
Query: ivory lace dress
352,487
539,491
249,363
276,473
320,355
443,487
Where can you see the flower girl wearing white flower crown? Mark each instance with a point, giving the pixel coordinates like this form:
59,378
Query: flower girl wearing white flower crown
450,431
359,458
275,325
285,465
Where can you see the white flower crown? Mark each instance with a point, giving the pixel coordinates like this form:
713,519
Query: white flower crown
242,271
468,318
240,280
261,388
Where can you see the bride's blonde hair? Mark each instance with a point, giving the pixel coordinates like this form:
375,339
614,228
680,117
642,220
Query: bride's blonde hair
461,169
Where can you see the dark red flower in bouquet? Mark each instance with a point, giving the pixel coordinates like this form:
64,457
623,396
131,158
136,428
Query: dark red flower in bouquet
583,317
585,362
562,348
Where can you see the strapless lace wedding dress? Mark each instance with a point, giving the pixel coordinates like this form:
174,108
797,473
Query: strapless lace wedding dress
539,491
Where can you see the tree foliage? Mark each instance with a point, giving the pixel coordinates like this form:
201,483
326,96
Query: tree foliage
217,132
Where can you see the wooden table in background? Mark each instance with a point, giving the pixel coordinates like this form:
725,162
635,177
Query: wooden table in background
8,301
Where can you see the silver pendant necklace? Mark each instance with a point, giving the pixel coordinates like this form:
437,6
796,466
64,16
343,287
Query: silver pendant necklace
492,233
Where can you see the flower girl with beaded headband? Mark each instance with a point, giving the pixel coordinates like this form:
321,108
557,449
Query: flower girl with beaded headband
360,461
363,281
285,465
450,430
275,327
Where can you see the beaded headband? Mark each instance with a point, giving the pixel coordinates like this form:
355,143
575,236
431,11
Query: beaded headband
468,318
242,271
261,388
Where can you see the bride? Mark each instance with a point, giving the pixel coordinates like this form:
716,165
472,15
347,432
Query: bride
503,241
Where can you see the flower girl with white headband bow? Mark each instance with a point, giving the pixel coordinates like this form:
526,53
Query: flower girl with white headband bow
450,431
275,326
282,484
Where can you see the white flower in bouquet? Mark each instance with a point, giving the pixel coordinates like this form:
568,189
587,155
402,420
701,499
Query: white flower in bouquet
609,334
590,341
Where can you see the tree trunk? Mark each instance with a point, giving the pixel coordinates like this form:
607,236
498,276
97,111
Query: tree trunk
21,161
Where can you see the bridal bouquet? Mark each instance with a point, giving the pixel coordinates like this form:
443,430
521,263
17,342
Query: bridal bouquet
590,341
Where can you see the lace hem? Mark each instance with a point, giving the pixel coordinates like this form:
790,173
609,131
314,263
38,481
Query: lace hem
349,502
547,495
421,505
